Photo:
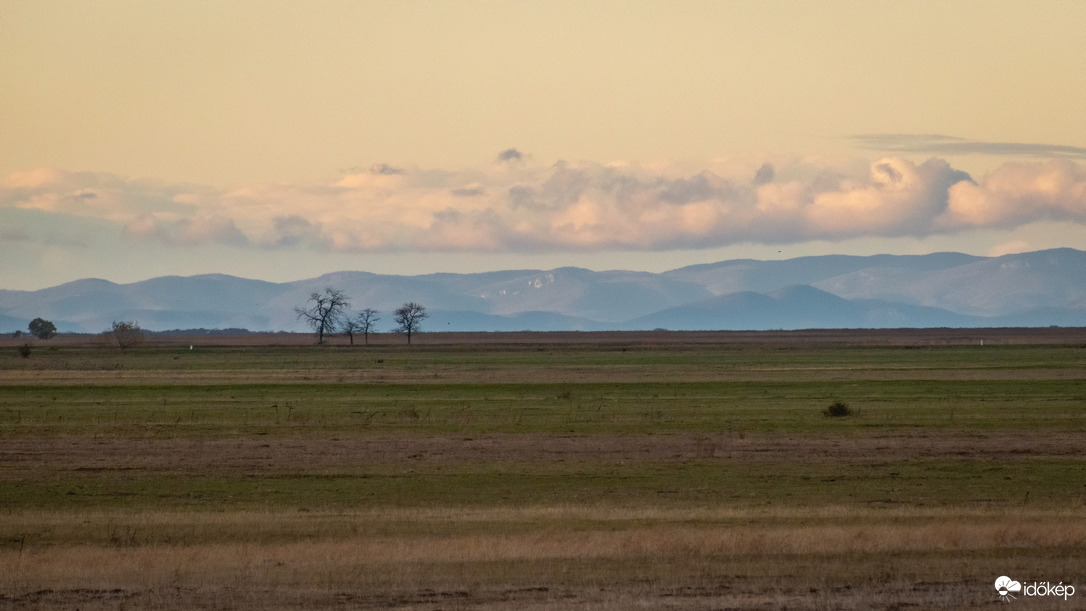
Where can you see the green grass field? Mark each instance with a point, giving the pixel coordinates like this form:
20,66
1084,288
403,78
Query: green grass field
583,474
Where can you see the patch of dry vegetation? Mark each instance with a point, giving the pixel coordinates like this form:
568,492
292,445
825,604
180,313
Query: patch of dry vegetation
569,555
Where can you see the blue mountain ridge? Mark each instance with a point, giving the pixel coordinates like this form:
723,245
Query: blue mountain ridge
1041,288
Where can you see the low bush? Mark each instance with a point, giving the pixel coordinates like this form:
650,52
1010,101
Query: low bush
837,409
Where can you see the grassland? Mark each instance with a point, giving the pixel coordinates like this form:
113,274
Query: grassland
544,471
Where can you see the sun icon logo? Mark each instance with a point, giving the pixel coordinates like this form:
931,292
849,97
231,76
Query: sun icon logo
1005,585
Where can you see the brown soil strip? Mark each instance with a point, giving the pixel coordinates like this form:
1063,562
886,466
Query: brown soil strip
259,454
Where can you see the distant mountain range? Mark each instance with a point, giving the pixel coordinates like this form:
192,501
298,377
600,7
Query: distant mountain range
1042,288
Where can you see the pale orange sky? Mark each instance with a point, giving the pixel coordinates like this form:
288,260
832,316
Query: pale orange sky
204,128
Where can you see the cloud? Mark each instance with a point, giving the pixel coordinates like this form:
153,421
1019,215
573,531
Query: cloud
98,195
1018,193
384,168
467,191
295,230
510,155
31,179
764,175
198,230
937,144
570,206
14,235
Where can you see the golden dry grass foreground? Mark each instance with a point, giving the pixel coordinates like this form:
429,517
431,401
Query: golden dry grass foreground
545,471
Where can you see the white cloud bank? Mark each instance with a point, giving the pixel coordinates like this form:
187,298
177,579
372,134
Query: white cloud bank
512,205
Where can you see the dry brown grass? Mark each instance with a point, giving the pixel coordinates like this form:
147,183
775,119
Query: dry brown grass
838,557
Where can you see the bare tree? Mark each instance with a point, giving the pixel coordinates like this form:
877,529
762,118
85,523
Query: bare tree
350,327
126,333
324,311
365,323
410,316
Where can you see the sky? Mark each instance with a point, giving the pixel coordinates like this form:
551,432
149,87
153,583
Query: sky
282,140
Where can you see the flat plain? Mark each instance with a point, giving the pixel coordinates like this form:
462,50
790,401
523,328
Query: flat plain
574,470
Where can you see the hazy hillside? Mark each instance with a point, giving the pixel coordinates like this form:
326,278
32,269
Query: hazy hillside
983,287
764,276
798,307
944,289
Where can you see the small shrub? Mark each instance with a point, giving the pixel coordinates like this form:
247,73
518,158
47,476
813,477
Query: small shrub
837,410
24,351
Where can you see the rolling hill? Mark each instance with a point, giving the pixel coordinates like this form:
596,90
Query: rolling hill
1040,288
